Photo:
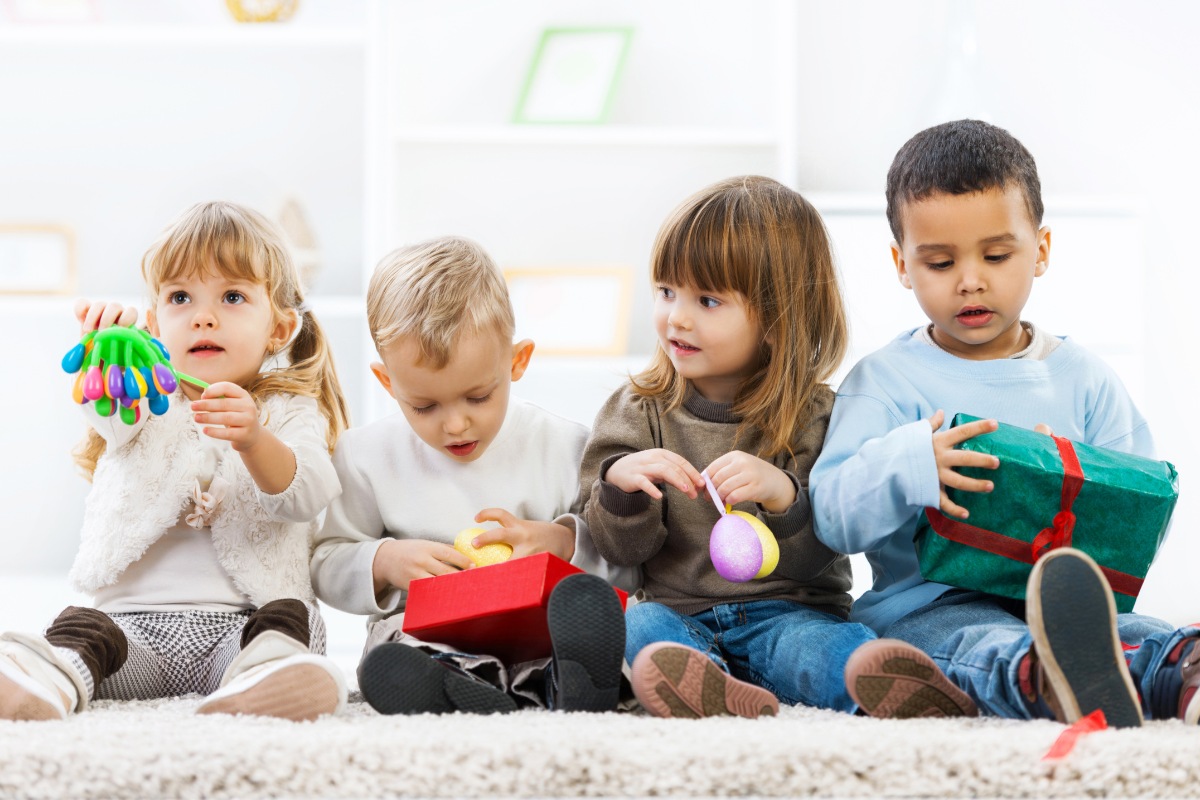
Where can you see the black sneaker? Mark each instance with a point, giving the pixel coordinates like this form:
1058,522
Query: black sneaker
398,679
587,635
1073,620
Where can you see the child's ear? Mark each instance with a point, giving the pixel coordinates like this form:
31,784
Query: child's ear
381,374
901,268
1043,253
152,322
281,334
522,352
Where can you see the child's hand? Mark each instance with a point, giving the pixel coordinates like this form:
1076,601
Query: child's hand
229,405
97,315
526,537
399,562
638,472
1042,427
948,459
740,477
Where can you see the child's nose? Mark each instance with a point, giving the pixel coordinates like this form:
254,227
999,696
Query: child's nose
678,318
971,279
456,423
203,318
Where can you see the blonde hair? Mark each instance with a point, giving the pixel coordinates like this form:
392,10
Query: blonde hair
235,241
756,237
435,291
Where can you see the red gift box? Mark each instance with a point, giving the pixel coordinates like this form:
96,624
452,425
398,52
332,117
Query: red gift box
498,610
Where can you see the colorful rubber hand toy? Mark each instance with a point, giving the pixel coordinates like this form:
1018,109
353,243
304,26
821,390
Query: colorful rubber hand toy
119,367
741,547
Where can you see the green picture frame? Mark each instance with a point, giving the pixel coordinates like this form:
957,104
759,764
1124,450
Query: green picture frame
573,76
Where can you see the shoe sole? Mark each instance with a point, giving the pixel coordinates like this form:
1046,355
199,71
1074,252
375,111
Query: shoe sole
891,679
300,693
671,680
587,635
398,679
21,701
1072,618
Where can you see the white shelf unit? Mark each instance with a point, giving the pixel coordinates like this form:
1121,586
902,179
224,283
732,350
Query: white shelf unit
160,35
443,157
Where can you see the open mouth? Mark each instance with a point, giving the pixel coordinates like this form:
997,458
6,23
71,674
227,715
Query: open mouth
974,317
464,449
683,347
207,348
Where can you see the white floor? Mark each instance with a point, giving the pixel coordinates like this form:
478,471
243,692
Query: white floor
30,602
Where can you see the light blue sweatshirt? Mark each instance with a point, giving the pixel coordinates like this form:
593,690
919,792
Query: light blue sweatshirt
877,473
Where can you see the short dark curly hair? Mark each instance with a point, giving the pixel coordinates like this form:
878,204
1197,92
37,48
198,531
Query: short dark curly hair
960,157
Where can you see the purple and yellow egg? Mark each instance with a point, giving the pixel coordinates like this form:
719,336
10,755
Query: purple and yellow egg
742,548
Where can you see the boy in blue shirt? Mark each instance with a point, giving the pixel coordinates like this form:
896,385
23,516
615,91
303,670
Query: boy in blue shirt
964,204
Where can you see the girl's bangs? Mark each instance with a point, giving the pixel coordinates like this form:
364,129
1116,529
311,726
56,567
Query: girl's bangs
201,255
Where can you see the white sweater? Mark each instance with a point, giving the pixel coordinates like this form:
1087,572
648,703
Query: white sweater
396,486
143,486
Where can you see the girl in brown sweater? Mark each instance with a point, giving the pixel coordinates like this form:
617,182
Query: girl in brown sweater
750,325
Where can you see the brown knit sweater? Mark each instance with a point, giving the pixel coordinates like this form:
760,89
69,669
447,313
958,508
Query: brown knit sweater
668,538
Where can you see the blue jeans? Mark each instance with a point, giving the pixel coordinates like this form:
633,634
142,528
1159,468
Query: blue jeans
979,640
793,651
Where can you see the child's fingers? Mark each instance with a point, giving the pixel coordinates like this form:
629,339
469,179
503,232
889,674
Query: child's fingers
957,480
224,390
500,516
937,419
446,559
224,434
968,458
229,419
1042,427
644,484
970,430
495,536
952,509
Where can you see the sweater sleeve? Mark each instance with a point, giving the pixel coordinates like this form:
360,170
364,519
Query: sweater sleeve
342,561
873,477
626,528
298,423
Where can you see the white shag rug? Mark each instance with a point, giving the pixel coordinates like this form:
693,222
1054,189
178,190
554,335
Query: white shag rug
161,749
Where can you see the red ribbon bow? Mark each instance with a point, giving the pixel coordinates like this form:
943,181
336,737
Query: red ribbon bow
1059,533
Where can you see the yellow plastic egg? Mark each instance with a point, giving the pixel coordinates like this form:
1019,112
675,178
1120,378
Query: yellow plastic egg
490,553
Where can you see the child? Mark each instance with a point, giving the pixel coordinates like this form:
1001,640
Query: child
965,207
750,324
441,319
196,534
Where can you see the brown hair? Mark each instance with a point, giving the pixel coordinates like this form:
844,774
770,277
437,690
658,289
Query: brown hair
756,237
232,240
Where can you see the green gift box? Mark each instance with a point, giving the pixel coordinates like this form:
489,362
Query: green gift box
1049,492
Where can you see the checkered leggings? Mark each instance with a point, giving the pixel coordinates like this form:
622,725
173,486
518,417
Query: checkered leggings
178,652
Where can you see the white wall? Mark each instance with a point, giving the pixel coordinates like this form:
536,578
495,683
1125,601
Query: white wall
116,141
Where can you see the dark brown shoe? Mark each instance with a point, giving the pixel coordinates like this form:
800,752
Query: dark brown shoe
891,679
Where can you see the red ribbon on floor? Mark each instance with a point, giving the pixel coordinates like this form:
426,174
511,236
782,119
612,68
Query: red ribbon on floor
1067,740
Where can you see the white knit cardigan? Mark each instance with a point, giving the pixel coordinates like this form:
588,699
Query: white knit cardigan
143,485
